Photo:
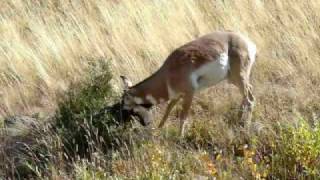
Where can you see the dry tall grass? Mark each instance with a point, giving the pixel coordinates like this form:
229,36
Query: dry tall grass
47,44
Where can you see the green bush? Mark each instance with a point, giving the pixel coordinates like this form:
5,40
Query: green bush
80,130
73,132
297,151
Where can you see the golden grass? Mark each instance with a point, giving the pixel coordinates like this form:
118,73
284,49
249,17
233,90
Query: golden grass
47,44
44,44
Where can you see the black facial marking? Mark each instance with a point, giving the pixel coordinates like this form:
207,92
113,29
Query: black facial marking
140,119
118,113
123,116
147,105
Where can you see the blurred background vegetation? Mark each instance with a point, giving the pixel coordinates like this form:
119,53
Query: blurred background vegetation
53,57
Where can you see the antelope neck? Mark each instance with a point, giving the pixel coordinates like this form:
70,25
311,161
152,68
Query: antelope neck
152,90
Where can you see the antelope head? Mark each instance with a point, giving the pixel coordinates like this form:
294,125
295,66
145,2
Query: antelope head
134,104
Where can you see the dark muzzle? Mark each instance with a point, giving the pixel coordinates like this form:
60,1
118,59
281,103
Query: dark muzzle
121,115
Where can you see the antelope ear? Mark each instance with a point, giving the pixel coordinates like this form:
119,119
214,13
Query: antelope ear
126,83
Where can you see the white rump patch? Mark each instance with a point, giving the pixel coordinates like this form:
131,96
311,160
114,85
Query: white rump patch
151,99
252,51
224,60
252,48
211,73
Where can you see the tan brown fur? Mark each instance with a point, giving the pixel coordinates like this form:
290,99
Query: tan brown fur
173,79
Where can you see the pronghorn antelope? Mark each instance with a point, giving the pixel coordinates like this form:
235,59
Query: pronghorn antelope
192,67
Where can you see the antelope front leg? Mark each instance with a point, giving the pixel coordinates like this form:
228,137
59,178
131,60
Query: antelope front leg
187,100
168,110
247,103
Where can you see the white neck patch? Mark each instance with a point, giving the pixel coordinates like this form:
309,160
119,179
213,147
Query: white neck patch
137,100
151,99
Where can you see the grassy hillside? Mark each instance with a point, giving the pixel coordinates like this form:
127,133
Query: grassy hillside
48,45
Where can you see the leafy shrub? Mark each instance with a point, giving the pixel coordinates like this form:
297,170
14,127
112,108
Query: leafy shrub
80,129
297,151
75,130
